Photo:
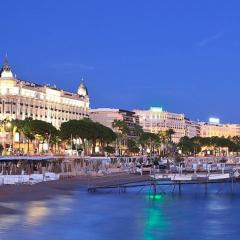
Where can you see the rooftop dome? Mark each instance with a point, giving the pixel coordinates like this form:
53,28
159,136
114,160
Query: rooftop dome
82,89
6,75
6,71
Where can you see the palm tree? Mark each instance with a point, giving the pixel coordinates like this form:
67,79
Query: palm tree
55,141
120,126
149,140
27,131
170,132
122,131
164,140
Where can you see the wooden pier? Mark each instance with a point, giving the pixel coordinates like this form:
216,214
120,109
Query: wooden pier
120,180
123,181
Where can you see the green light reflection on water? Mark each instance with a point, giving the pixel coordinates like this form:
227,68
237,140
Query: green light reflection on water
156,196
155,222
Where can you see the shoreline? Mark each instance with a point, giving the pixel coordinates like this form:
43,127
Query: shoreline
39,191
48,190
45,190
36,192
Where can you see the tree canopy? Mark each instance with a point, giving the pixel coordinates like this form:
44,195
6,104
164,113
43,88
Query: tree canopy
190,146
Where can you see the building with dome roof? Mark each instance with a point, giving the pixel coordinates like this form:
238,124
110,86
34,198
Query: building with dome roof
82,89
22,99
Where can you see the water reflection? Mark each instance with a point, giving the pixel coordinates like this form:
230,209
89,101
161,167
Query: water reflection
6,221
9,215
155,221
127,216
63,204
36,212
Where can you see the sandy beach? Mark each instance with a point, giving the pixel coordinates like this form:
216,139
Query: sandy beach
37,192
48,190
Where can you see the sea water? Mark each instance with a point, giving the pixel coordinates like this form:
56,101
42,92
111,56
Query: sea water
136,214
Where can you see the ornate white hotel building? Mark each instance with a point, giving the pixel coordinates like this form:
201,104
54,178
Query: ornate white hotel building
21,99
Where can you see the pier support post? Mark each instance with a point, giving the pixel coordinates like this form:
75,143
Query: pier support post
232,184
179,187
173,188
154,186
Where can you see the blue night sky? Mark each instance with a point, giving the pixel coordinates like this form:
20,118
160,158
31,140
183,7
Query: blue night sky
181,55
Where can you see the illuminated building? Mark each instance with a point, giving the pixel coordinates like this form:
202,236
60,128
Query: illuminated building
219,130
212,128
21,99
192,128
155,120
106,117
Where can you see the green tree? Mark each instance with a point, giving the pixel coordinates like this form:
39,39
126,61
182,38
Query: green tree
132,146
167,144
149,140
169,133
122,132
1,148
86,129
27,131
120,126
189,146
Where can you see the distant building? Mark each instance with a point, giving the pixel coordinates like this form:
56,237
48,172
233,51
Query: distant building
21,99
219,130
155,120
106,116
192,128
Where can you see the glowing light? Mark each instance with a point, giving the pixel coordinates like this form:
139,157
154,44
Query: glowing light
214,120
36,212
155,220
156,109
8,124
16,137
97,149
156,196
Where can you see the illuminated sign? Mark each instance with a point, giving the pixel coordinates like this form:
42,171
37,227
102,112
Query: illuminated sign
156,109
214,120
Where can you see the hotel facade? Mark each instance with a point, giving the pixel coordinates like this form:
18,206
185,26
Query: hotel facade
155,120
219,130
22,99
